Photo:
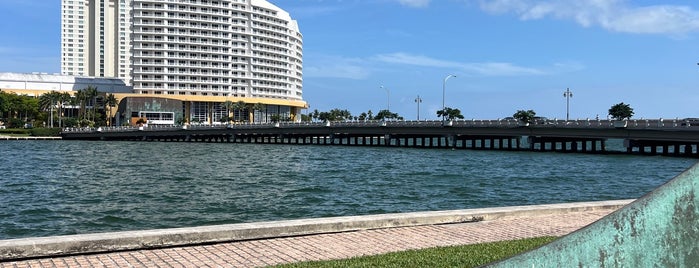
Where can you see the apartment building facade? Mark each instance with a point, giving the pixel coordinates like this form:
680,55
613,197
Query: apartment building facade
201,52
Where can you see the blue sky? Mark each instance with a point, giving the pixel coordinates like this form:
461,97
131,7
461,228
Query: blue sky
507,55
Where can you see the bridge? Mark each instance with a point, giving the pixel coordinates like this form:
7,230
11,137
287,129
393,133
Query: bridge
671,137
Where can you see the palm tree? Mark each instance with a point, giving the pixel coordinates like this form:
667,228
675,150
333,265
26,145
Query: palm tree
111,102
525,116
240,105
229,105
63,99
91,94
73,101
257,107
47,102
80,99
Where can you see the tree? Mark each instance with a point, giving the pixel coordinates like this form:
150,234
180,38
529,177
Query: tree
335,115
238,107
524,116
30,107
306,118
257,107
80,98
315,115
386,114
111,102
362,117
340,115
450,114
63,99
47,102
5,102
621,111
229,105
91,94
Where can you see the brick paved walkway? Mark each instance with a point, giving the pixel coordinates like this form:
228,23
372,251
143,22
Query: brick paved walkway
258,253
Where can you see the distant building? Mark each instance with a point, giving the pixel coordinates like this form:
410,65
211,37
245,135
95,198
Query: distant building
199,52
35,84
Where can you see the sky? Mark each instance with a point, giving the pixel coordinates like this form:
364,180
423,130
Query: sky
504,55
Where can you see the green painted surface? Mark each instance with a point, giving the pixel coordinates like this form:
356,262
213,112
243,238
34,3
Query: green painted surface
661,229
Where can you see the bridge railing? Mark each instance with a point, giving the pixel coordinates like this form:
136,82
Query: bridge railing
474,123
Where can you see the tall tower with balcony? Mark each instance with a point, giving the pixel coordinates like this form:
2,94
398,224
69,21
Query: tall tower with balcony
95,38
239,48
199,52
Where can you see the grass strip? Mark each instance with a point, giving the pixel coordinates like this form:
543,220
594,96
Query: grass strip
454,256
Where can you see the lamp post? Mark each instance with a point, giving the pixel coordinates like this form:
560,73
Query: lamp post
444,94
567,94
388,99
418,100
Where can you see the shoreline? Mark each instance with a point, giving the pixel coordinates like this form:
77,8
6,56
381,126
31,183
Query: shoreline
29,138
54,246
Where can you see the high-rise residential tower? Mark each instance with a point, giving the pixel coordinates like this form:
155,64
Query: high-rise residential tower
95,38
246,50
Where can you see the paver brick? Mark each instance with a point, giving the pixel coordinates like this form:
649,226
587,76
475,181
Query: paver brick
259,253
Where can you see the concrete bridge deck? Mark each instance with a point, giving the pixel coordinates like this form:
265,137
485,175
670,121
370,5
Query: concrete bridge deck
649,137
271,243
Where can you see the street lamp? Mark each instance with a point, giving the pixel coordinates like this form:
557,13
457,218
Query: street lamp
567,94
418,100
388,99
444,94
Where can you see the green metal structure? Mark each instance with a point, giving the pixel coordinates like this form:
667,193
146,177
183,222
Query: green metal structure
660,229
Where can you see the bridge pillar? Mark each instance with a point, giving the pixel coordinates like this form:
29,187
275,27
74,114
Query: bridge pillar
451,141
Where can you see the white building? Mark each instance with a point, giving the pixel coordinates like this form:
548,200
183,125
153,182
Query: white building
95,38
35,84
245,48
213,50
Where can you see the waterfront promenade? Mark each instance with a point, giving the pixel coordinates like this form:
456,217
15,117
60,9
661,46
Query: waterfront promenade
271,243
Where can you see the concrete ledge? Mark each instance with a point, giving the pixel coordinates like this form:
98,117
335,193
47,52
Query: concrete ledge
133,240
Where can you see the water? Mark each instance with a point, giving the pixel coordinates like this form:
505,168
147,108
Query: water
74,187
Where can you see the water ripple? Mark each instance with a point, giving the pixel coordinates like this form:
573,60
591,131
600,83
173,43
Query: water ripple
69,187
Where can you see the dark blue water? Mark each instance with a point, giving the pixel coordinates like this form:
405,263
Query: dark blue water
73,187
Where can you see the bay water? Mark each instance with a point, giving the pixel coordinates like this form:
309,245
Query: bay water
74,187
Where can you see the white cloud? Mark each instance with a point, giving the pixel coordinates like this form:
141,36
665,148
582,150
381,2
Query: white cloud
362,68
481,68
403,58
415,3
336,67
613,15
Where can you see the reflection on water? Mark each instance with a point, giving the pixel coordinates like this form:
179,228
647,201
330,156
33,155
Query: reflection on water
70,187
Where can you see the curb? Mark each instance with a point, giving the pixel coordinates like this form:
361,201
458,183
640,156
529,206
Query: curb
148,239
